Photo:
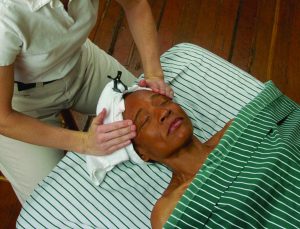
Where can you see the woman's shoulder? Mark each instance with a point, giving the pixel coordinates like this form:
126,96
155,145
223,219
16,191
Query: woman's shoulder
162,210
166,204
214,140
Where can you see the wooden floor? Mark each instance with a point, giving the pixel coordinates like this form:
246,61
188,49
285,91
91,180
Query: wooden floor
260,36
9,206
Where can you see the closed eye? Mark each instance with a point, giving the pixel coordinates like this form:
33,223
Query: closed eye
143,123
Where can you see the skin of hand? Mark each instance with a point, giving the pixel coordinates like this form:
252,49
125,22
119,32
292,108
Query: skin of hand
103,139
157,85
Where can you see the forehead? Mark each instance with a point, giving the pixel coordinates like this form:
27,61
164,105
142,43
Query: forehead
137,100
140,95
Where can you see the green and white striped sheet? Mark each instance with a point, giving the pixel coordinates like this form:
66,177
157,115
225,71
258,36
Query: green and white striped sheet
252,178
210,90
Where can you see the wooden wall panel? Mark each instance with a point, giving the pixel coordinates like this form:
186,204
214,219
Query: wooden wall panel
259,36
285,68
263,38
124,45
242,52
293,72
254,31
171,19
227,12
135,64
210,24
107,31
188,21
102,8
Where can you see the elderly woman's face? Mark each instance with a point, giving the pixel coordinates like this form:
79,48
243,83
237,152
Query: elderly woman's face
162,126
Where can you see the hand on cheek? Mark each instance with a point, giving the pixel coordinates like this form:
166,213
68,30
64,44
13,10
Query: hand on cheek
103,139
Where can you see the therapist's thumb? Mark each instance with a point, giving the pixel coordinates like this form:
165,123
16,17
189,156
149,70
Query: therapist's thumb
98,120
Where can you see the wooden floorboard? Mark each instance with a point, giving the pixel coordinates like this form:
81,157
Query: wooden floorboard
243,41
263,34
9,206
285,69
170,21
107,28
261,37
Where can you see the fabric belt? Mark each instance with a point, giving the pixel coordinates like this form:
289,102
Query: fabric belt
26,86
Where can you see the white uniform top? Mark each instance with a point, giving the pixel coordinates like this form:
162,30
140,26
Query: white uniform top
41,38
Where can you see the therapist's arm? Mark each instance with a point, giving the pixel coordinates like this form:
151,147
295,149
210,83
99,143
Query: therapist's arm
143,30
100,140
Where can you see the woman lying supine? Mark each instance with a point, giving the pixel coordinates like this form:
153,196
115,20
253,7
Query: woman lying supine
165,135
246,177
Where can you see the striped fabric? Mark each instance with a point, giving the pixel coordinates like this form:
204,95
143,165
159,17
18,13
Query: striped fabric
252,178
211,90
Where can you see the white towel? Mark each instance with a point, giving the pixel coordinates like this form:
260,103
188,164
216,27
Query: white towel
113,102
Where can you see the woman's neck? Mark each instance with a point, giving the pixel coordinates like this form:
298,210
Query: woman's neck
188,160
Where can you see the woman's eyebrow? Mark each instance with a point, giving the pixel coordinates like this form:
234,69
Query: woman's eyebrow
155,96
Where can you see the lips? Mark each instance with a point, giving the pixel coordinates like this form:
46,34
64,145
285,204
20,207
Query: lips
174,125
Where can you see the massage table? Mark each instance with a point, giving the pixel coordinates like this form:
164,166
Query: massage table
211,90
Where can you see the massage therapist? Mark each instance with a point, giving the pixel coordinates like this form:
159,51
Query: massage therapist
47,64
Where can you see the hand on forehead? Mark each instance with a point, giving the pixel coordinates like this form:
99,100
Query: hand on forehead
142,99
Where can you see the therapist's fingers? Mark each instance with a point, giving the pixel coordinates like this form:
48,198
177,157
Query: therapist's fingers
117,138
117,132
98,120
142,83
169,92
117,143
99,136
114,126
157,85
116,147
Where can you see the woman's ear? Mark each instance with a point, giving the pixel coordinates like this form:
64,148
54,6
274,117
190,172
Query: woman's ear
143,154
144,157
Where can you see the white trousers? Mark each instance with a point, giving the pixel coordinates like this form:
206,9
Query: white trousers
23,164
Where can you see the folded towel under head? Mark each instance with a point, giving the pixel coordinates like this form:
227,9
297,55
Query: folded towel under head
112,100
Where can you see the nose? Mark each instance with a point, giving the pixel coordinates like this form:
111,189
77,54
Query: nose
164,114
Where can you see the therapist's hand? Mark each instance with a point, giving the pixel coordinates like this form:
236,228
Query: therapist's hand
157,85
102,139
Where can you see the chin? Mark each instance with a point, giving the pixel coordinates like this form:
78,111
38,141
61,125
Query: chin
183,137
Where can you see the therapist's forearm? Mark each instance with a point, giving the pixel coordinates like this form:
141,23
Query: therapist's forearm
144,33
30,130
